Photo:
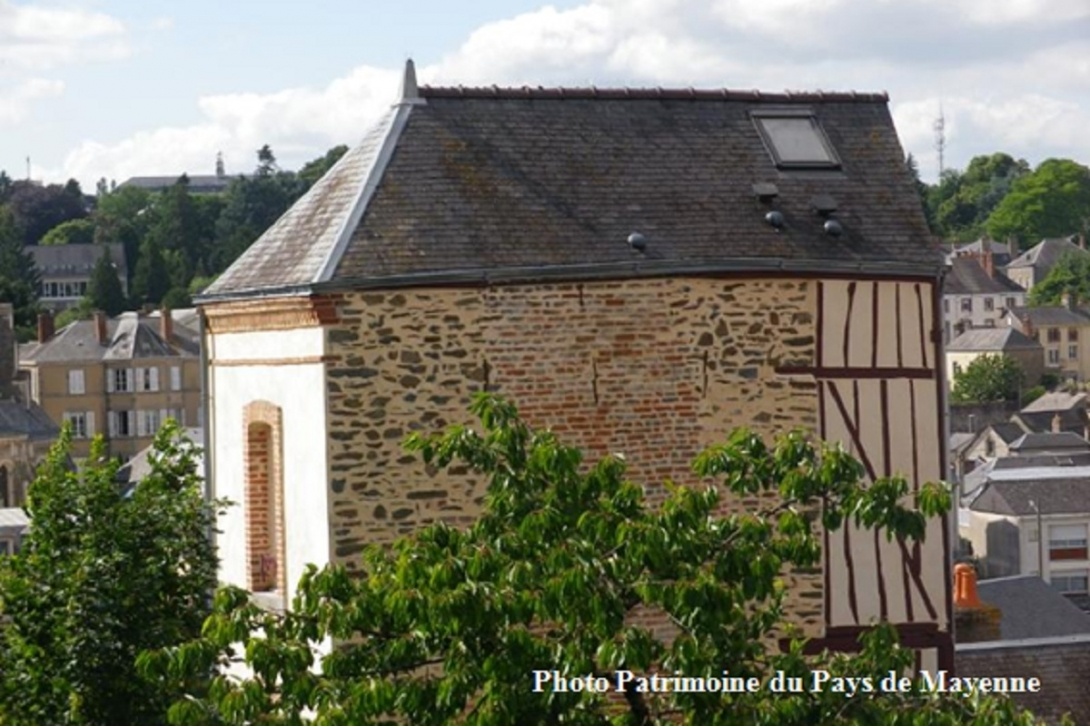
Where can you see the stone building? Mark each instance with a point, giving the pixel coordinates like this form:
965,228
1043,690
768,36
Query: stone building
639,270
120,377
26,432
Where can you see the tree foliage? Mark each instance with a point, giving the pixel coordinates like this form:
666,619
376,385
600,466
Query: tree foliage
103,574
991,377
20,281
1070,276
448,626
72,232
104,291
37,208
961,203
1053,201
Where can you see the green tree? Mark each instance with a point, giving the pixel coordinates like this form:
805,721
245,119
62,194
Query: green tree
123,215
962,201
38,209
20,281
449,626
1053,201
103,574
251,206
1071,275
991,377
104,291
151,280
72,232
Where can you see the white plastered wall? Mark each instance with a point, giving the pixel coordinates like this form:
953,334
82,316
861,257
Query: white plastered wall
299,390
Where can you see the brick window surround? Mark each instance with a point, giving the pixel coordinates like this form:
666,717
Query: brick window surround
265,551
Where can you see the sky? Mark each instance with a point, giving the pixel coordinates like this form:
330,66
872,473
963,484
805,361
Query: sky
111,89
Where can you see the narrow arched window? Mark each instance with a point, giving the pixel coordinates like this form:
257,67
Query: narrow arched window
265,546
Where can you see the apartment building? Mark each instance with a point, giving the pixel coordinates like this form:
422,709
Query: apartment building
120,377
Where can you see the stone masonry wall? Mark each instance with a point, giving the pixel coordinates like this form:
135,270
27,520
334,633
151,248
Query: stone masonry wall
656,368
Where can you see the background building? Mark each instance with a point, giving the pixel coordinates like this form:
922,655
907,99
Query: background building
120,377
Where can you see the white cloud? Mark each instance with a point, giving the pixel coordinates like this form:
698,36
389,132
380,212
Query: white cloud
15,102
1012,75
298,123
34,37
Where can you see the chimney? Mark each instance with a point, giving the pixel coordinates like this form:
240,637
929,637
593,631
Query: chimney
166,325
9,348
989,263
45,327
1056,423
1081,241
1012,248
1067,301
101,334
973,619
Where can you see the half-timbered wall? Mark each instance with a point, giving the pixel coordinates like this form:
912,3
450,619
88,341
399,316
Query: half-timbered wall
879,385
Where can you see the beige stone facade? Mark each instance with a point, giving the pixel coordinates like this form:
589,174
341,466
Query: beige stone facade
125,398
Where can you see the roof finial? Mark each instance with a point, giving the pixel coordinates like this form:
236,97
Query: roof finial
409,90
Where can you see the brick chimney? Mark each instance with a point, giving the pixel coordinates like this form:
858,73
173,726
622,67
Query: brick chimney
45,327
101,329
1056,423
1012,249
1080,240
1067,301
166,325
988,262
973,619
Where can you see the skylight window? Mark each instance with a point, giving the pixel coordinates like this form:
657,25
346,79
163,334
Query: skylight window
796,141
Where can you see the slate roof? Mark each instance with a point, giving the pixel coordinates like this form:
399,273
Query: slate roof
1052,315
967,276
1049,441
75,261
1001,251
1032,609
1045,254
1061,663
198,183
476,185
1055,401
28,420
993,339
130,337
1008,431
13,521
1054,494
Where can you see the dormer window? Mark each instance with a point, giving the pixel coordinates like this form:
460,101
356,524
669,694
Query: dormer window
795,139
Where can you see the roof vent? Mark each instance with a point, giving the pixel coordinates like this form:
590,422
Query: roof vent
775,219
824,205
766,191
833,228
638,241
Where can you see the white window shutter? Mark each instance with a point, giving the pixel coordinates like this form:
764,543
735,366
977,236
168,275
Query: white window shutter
176,378
90,424
110,375
111,417
154,378
141,423
131,383
164,414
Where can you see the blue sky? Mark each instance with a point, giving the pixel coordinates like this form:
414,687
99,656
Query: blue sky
114,88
